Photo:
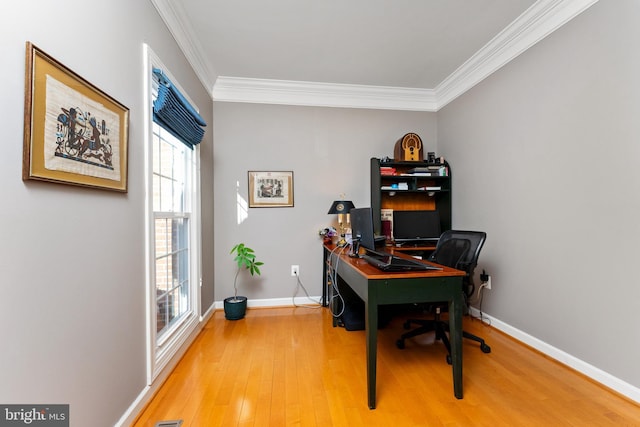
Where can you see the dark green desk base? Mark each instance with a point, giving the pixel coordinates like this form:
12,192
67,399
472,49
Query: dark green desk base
379,288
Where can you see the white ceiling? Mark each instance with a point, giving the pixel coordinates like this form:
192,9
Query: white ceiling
406,54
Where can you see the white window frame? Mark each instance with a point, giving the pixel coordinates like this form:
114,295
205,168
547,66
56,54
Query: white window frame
161,352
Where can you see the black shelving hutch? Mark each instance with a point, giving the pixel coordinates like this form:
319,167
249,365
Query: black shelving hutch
416,196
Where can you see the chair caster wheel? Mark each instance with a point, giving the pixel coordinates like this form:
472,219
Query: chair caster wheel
485,348
448,359
400,344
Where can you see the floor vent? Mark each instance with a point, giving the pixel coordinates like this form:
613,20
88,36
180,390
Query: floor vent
174,423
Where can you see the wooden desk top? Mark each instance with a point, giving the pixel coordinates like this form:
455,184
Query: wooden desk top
370,272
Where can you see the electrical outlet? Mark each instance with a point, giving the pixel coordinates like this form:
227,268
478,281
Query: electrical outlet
295,270
485,279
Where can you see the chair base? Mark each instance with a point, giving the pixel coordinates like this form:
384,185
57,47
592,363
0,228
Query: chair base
441,329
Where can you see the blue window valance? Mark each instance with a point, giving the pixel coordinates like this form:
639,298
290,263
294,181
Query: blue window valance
173,112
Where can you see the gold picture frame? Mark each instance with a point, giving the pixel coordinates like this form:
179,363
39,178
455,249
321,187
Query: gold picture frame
74,133
270,189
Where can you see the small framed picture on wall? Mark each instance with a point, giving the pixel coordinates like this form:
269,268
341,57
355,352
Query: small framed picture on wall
270,189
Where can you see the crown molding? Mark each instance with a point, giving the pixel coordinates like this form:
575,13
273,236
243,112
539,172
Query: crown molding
175,18
264,91
536,23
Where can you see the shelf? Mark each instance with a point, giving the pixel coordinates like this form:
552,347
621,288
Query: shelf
411,176
383,197
396,190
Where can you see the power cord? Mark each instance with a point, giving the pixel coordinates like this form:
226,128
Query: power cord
484,278
333,276
299,285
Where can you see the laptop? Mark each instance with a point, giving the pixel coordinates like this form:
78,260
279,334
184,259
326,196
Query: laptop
387,262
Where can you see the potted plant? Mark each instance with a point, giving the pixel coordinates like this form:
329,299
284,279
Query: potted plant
235,307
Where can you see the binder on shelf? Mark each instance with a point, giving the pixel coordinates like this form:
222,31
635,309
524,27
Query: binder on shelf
386,216
387,170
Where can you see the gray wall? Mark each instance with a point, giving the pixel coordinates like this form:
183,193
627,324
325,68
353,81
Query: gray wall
328,150
72,260
546,159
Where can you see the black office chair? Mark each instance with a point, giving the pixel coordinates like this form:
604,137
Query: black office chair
460,250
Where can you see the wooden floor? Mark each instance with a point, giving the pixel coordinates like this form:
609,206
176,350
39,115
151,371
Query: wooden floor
290,367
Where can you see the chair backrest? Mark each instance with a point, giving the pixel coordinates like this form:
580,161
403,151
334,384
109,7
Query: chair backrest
460,249
452,253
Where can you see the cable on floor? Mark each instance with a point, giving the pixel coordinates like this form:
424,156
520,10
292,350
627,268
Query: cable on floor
299,285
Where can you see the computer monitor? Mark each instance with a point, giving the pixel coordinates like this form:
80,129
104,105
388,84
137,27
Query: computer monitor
362,229
416,226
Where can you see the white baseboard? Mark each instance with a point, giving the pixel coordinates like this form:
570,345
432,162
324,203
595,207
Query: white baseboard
277,302
208,314
581,366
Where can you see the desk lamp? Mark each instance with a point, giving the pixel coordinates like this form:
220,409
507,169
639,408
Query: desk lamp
342,208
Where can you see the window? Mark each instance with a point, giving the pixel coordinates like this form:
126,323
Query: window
173,227
172,162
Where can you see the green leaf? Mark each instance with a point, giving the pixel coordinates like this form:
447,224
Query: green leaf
246,257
